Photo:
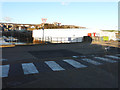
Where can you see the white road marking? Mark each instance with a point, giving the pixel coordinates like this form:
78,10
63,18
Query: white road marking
74,63
54,66
118,54
110,56
105,59
91,61
75,56
4,69
29,68
3,59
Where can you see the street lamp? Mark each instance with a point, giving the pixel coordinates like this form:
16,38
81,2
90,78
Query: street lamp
43,32
43,20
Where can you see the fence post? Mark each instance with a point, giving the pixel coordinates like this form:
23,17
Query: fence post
61,39
45,39
64,39
51,39
48,39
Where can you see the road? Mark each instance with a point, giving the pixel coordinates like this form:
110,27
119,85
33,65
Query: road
60,66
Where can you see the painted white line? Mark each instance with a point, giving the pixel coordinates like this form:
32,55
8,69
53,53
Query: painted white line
105,59
74,63
54,66
3,59
29,68
118,54
110,56
75,56
91,61
4,69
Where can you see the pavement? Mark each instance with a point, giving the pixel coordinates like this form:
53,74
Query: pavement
107,43
60,66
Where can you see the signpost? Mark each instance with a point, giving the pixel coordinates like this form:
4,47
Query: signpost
43,20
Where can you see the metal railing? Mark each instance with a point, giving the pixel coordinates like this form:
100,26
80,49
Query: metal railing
59,39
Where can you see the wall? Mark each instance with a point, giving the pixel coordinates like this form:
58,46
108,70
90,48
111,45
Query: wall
111,35
62,32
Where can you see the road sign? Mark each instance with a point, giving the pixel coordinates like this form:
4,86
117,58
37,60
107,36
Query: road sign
44,20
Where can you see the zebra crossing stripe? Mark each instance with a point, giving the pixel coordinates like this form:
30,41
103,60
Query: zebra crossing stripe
110,56
91,61
4,69
105,59
3,59
29,68
74,63
54,66
118,54
75,56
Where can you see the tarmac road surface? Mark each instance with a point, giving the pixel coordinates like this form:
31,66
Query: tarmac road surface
60,66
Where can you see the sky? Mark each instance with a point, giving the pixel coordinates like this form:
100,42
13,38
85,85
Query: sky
101,15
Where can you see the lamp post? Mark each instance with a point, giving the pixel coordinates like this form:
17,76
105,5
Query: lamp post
43,20
43,32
